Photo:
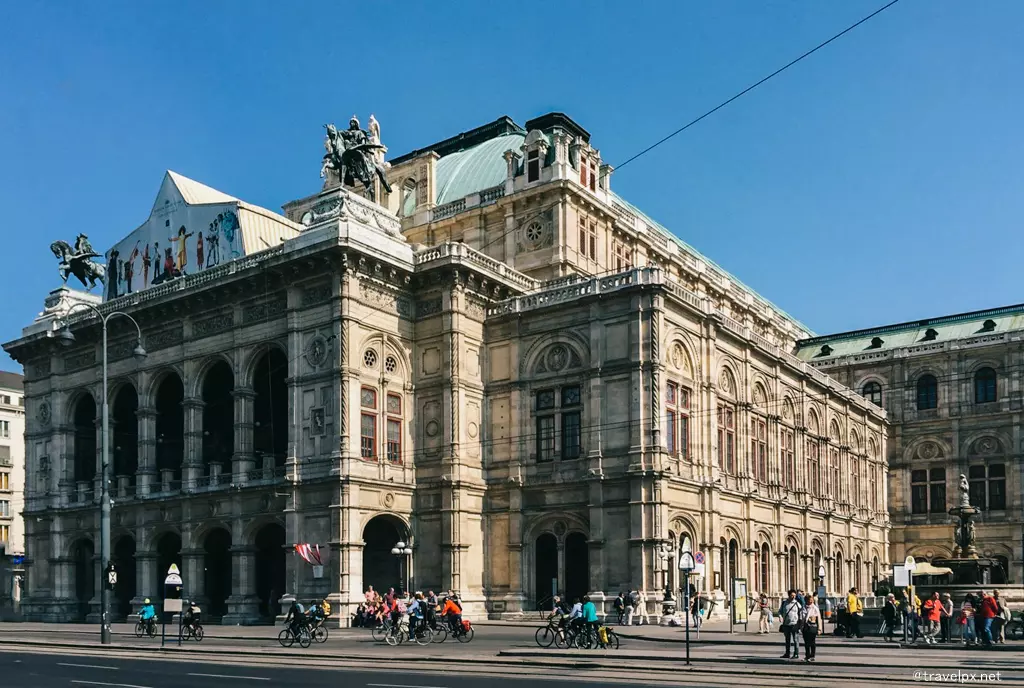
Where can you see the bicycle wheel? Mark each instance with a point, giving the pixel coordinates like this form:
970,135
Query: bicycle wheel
320,634
563,639
465,636
286,638
613,640
393,639
424,636
140,629
380,632
439,634
582,640
305,639
197,633
544,636
185,633
151,630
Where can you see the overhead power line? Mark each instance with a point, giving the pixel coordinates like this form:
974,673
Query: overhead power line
750,88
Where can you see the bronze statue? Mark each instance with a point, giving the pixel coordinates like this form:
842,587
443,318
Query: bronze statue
353,154
77,261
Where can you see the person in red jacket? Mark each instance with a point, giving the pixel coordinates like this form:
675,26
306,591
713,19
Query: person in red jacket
932,612
987,610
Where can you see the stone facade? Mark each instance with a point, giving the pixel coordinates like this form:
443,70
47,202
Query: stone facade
12,462
952,389
536,385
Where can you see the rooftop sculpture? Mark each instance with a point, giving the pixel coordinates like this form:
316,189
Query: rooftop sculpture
355,155
77,261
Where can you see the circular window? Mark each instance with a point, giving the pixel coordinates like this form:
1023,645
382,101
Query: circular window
534,232
370,358
390,364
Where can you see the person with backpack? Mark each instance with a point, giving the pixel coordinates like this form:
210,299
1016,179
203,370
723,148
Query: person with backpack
633,603
452,611
620,607
789,615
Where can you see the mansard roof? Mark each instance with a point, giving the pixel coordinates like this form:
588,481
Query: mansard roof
887,337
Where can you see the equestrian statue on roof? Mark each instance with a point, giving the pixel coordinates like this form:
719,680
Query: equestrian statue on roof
355,155
77,261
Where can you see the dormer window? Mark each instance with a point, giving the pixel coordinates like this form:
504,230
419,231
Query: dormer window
533,165
988,326
588,172
826,350
930,335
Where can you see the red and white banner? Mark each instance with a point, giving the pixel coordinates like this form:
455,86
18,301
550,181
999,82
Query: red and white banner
310,553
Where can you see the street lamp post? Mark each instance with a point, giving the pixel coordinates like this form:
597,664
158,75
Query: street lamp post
403,551
686,567
67,338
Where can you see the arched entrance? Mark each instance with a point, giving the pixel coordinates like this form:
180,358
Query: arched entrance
125,590
381,568
577,565
546,568
168,551
218,415
270,569
83,556
125,449
217,570
270,407
170,429
85,439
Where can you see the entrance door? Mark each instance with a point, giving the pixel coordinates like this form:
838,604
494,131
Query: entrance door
546,560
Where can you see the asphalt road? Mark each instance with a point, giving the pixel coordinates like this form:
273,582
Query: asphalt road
24,670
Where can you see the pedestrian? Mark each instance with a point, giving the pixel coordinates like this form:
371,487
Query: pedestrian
967,620
889,617
988,609
695,610
811,624
642,614
946,621
801,597
1002,618
932,614
789,616
632,604
854,611
620,607
764,624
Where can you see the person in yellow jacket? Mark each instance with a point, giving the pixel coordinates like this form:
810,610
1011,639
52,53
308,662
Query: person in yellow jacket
855,611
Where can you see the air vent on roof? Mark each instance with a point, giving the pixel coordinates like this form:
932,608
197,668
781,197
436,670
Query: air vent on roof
826,350
988,326
930,335
876,343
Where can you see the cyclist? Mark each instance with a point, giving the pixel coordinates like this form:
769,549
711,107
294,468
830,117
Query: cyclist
453,612
190,617
416,614
147,614
559,610
296,618
590,619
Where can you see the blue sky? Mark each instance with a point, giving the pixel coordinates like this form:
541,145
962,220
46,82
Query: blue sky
877,181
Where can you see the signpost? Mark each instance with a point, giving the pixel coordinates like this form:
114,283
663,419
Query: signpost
172,601
687,565
908,565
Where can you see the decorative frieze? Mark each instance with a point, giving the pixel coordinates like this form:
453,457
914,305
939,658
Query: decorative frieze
80,360
428,307
265,310
316,295
384,300
162,339
213,325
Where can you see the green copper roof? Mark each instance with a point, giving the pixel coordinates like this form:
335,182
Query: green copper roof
887,337
474,169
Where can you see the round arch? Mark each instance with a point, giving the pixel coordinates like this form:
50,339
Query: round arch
251,363
217,568
148,391
382,569
194,389
384,345
689,363
571,339
548,524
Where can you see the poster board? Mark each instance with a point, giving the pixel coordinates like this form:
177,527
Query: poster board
739,600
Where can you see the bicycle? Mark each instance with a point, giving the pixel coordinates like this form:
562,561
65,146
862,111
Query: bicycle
287,637
381,631
552,633
193,631
439,630
422,635
587,639
464,633
147,627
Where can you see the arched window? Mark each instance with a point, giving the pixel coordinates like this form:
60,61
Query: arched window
837,576
792,565
857,574
872,391
763,572
927,392
984,386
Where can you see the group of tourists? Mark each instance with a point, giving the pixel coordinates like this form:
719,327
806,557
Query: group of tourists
422,609
629,605
799,615
981,619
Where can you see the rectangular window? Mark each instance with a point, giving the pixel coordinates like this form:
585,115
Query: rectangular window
5,533
855,481
571,435
583,171
5,399
873,486
976,478
394,440
937,491
813,467
622,256
5,508
5,481
588,237
545,438
788,459
671,428
997,487
759,449
368,436
545,399
835,489
677,421
532,166
5,428
592,164
727,440
919,492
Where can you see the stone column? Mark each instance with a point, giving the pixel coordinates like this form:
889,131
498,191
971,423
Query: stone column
243,460
192,468
193,575
146,478
145,578
243,605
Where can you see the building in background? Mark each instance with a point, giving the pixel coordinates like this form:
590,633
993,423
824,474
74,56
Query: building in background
952,387
504,365
12,462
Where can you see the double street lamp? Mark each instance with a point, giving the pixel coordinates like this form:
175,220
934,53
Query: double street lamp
67,338
403,551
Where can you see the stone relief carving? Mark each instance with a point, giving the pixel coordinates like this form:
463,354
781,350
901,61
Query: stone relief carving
475,309
558,358
726,383
986,445
316,295
384,300
428,307
171,336
760,398
80,360
316,352
43,415
928,450
213,325
259,312
317,422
